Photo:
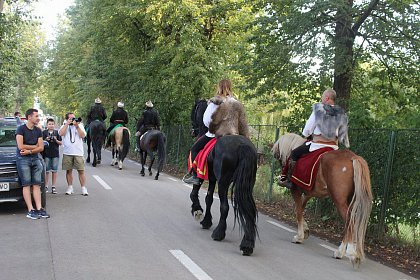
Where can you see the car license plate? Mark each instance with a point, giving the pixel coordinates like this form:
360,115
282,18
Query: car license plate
4,187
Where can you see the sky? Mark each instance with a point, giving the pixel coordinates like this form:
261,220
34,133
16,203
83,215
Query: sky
49,11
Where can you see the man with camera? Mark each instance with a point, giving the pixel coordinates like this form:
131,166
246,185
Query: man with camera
73,133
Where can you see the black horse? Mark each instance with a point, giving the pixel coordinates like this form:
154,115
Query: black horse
152,140
233,160
197,112
95,135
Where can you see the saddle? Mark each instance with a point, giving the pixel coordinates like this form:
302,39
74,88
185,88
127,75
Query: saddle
114,128
200,164
306,169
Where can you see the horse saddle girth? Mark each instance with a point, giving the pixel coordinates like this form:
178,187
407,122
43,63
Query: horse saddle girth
306,169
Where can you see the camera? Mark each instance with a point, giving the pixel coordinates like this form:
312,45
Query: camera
79,119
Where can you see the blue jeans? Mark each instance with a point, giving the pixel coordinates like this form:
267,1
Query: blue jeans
30,170
51,164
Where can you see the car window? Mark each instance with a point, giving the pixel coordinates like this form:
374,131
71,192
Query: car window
7,134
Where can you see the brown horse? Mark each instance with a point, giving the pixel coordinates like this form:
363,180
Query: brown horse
344,176
120,144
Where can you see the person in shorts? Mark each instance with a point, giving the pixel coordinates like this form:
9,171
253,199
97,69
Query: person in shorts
29,165
51,154
72,133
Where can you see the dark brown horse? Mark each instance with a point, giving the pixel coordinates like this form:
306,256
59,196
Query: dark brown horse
344,176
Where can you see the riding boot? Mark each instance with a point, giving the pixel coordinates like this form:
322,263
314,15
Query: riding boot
193,180
287,183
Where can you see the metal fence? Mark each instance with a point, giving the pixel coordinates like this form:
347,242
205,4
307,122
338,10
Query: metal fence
394,161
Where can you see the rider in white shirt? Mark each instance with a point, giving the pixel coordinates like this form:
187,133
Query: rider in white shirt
327,125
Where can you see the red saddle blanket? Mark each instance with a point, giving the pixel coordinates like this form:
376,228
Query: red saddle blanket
200,163
306,169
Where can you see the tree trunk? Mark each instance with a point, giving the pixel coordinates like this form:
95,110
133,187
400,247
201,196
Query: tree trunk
343,59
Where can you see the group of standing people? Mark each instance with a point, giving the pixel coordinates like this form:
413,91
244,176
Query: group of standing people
33,157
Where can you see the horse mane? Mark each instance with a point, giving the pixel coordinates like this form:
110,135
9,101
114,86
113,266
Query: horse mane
283,147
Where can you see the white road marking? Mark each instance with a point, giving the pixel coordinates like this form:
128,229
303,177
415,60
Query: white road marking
328,247
280,226
172,179
190,265
102,182
188,186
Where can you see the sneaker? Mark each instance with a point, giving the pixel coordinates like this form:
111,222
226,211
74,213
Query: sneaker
53,190
193,180
42,213
84,191
33,214
69,190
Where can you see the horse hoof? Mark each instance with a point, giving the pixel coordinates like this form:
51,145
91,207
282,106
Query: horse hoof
99,162
297,240
150,173
205,225
88,160
142,174
217,236
337,255
156,177
116,163
94,164
306,234
119,168
356,262
247,251
198,214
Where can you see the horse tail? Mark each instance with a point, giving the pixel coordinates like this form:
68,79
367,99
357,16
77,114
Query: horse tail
283,147
161,150
360,205
126,143
242,187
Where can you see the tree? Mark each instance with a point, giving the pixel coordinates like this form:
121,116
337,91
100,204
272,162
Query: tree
323,41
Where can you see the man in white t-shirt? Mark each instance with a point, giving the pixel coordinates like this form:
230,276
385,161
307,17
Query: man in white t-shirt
73,132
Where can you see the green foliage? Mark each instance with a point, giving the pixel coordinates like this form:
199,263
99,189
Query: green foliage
170,52
301,48
20,57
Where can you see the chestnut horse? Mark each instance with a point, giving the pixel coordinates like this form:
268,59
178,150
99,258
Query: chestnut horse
344,176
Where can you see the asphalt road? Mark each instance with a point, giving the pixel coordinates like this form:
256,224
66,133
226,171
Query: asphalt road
133,227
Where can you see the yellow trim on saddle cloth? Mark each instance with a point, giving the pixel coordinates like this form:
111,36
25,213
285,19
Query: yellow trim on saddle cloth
200,171
312,172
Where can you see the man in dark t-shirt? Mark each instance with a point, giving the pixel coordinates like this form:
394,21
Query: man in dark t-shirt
29,164
51,154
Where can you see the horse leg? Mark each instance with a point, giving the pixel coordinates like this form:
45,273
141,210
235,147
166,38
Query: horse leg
219,232
297,197
196,209
113,154
305,224
346,246
88,149
143,161
94,148
206,223
152,160
119,158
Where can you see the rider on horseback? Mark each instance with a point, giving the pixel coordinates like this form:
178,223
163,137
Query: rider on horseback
96,112
119,116
327,125
149,120
224,115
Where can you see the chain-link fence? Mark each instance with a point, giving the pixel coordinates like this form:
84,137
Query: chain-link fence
393,159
